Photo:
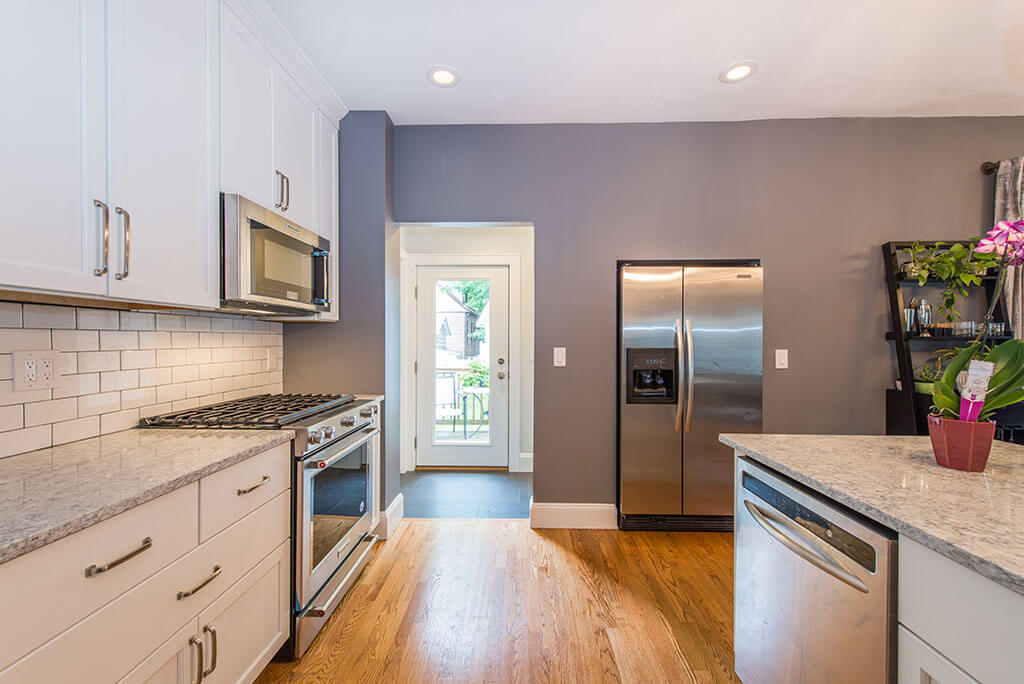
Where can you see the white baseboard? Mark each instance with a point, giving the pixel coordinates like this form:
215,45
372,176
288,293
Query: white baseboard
392,516
523,465
573,516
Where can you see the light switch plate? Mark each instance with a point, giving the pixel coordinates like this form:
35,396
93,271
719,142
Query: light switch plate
782,359
35,370
559,357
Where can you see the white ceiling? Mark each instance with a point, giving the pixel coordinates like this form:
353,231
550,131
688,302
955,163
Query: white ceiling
533,61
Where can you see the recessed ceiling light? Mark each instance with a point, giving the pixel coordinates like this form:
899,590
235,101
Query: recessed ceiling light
443,77
740,71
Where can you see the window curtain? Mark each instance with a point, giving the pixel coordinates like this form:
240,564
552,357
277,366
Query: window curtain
1010,207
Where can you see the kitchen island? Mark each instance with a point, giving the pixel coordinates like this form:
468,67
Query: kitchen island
960,586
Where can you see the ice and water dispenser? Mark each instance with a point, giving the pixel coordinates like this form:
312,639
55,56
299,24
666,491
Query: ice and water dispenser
653,375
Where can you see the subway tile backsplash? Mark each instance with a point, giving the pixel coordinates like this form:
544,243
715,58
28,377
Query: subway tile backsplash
119,366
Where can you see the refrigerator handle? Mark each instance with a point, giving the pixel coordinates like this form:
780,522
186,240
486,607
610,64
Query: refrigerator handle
689,376
679,395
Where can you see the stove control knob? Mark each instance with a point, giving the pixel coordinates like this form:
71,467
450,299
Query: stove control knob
366,412
329,432
348,421
316,437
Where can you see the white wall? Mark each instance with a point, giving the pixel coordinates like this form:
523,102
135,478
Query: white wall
462,238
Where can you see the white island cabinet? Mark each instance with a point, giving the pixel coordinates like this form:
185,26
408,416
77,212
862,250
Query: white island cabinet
147,596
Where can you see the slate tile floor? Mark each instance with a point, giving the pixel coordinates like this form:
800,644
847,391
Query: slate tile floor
467,494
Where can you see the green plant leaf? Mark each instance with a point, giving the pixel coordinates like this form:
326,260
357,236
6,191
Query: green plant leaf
1008,365
1006,399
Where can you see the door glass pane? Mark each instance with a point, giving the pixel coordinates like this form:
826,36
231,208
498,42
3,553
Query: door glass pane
461,350
339,501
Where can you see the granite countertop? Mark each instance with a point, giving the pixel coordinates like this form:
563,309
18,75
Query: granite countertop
51,493
976,519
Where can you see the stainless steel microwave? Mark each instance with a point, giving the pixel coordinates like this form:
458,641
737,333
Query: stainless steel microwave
270,265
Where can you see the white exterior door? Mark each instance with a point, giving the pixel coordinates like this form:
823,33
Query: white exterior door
53,137
463,366
162,139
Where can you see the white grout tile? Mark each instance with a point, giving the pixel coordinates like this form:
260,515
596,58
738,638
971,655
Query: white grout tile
183,404
253,340
150,377
185,373
68,363
197,324
242,354
154,340
77,385
6,366
119,380
138,397
29,439
74,430
197,356
222,325
97,319
242,325
243,381
137,320
220,355
145,358
76,340
47,316
92,362
270,340
211,339
10,315
180,340
171,393
170,357
115,422
43,412
12,340
119,339
8,396
95,404
155,410
234,339
261,326
211,399
12,417
197,388
221,385
211,370
277,328
170,322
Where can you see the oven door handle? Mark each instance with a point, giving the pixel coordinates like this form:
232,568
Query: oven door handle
355,442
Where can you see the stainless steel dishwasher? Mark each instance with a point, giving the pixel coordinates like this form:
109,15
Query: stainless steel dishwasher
815,586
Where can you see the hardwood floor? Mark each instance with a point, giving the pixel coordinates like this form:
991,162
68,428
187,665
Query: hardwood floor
494,601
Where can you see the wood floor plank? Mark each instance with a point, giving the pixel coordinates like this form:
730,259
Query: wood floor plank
494,601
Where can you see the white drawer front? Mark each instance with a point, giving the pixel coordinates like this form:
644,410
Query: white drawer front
919,663
48,589
969,619
230,494
109,643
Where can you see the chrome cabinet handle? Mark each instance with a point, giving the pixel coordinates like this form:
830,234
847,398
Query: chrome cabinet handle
679,353
288,192
106,238
810,553
689,376
213,658
185,594
200,671
92,570
265,480
127,242
280,189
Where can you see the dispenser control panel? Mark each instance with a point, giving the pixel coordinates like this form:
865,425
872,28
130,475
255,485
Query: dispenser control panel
652,375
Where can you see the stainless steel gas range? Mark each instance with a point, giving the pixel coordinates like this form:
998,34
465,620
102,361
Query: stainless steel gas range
336,445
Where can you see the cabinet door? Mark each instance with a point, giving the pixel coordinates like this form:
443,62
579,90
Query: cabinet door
295,148
175,662
327,204
244,628
53,137
246,114
162,109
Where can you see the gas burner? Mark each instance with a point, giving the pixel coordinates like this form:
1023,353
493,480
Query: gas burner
263,411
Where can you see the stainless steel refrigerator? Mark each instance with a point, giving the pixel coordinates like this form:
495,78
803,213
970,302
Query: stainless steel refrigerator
690,368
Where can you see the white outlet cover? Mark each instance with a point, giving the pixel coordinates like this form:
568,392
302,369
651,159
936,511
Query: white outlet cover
46,373
781,359
559,360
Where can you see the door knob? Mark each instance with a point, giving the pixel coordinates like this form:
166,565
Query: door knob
501,376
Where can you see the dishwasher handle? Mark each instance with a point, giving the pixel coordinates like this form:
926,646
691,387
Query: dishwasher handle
810,553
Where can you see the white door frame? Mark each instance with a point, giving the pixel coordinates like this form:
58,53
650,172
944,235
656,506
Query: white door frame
410,262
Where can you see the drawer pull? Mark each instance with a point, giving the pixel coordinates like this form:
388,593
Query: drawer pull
198,643
147,543
185,594
213,647
265,480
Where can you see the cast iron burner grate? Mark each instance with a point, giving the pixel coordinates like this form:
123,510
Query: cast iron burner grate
263,411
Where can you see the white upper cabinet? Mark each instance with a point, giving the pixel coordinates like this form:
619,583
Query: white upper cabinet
52,133
246,114
163,190
327,170
295,120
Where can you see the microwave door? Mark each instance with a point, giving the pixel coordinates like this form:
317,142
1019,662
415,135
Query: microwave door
280,267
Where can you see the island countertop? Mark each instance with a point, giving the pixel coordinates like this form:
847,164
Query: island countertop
51,493
975,519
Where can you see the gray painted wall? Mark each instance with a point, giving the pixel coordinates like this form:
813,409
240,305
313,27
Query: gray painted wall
813,199
352,355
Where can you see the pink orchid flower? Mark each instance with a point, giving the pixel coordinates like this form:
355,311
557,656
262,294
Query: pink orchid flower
1006,235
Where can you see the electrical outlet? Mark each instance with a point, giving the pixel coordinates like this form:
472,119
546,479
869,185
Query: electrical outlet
559,359
782,359
35,370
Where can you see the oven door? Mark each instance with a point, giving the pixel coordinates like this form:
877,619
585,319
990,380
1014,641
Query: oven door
335,504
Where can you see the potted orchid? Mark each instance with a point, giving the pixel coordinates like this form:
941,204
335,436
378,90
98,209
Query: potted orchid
979,380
